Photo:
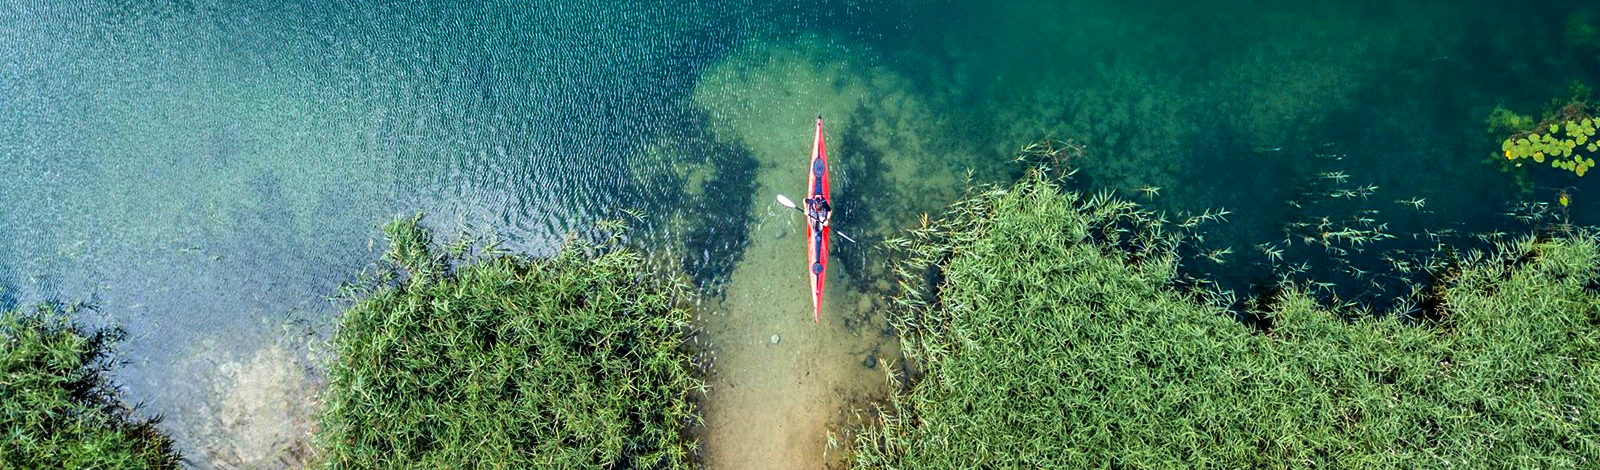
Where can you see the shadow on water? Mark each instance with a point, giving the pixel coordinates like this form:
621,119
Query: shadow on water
713,250
8,287
858,204
8,290
8,281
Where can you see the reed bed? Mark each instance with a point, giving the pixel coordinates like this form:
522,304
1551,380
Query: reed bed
1039,341
57,407
505,362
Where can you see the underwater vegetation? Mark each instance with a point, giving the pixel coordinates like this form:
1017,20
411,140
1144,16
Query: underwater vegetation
1038,339
57,407
1566,138
1581,33
506,362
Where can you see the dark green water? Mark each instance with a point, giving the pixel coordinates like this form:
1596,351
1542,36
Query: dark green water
208,173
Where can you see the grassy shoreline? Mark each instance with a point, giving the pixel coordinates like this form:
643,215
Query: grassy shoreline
506,362
1039,344
58,408
1042,327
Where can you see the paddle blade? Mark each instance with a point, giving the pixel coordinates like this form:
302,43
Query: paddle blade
785,201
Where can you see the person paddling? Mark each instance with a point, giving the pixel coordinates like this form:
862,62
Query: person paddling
818,209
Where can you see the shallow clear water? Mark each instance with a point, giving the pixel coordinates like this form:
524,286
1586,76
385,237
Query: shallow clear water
207,174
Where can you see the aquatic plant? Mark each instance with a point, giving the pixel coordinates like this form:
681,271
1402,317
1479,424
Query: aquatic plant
505,362
1052,155
57,407
1567,139
1037,342
1502,121
1581,33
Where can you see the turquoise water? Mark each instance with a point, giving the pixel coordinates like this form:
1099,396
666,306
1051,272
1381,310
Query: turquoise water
207,174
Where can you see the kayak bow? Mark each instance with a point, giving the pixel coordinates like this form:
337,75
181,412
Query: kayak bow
816,233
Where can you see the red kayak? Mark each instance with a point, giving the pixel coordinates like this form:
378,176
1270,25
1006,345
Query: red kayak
817,234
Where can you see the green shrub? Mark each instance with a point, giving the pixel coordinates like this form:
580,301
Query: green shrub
1039,346
571,362
57,408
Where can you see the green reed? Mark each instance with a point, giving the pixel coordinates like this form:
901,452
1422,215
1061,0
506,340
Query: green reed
1038,340
57,407
505,362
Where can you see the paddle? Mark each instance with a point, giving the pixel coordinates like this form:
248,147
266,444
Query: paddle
790,204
